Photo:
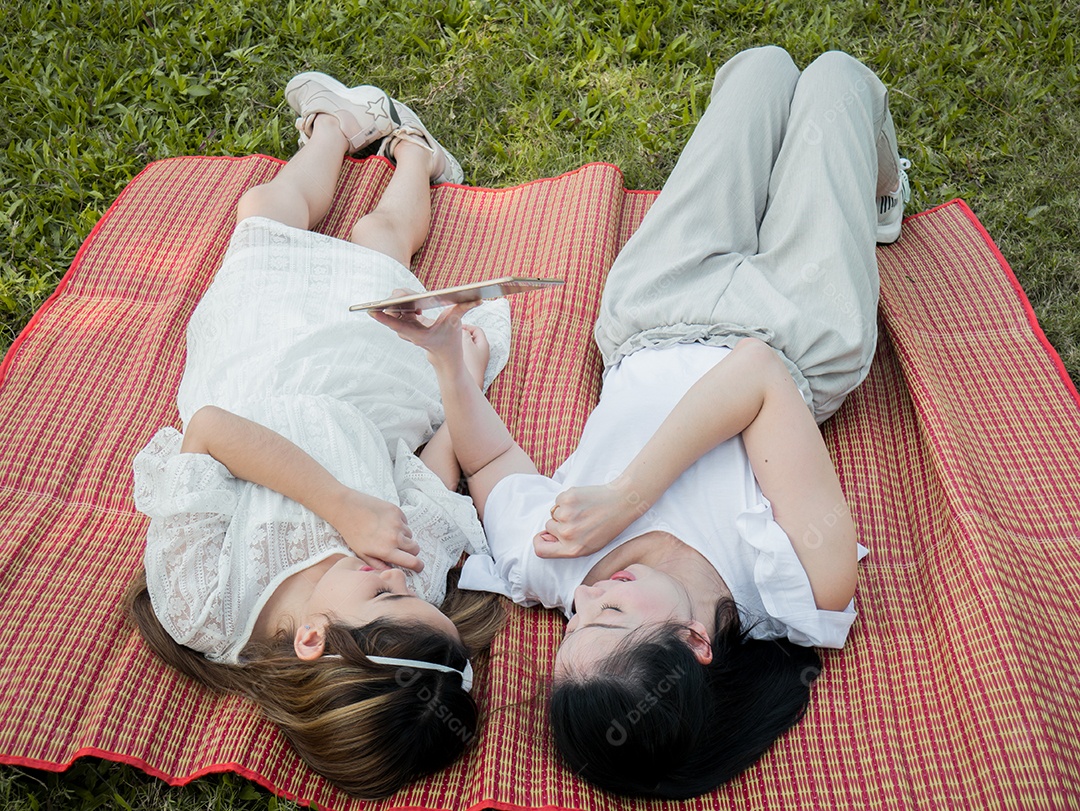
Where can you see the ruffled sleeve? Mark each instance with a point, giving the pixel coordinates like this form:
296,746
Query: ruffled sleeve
190,499
508,525
784,587
443,523
169,482
516,509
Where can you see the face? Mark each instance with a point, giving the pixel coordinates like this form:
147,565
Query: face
608,611
355,594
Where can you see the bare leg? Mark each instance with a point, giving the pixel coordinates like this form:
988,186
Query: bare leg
300,194
399,224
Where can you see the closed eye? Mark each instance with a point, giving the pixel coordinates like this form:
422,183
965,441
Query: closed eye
605,607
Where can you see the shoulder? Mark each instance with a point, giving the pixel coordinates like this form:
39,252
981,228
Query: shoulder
517,508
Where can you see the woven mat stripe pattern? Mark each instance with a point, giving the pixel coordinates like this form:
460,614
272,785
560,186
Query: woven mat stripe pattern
958,455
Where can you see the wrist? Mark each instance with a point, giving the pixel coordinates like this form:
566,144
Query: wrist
631,492
333,502
451,369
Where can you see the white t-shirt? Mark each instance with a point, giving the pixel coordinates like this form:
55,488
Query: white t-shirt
715,506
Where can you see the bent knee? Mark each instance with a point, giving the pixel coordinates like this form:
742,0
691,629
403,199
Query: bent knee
253,203
832,65
770,63
768,57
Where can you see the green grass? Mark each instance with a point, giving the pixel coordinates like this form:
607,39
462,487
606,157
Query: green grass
93,784
986,99
985,95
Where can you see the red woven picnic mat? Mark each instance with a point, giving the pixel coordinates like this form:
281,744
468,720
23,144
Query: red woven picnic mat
959,456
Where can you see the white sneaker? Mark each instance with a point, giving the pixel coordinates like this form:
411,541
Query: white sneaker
891,207
444,166
365,113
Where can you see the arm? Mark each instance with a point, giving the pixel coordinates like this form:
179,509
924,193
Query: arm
749,392
439,454
374,529
482,443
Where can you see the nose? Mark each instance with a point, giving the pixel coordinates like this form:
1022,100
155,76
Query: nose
586,593
393,577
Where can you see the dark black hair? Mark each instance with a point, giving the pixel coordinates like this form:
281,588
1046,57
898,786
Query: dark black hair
654,722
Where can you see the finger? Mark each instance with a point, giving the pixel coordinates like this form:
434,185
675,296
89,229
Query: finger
396,324
552,527
476,333
455,313
397,318
403,559
546,545
407,327
374,563
409,545
409,309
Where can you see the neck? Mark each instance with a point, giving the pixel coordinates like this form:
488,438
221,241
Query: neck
666,553
286,607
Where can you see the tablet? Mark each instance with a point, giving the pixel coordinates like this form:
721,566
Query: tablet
492,288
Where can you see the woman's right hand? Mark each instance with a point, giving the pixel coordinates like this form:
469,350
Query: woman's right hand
476,351
586,519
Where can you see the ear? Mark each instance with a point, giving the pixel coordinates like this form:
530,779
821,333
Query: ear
698,639
309,642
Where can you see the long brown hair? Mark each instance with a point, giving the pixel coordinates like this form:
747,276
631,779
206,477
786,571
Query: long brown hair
368,728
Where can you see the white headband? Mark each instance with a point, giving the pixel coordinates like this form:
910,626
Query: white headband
466,674
420,664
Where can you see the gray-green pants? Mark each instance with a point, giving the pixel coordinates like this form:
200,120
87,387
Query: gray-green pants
767,225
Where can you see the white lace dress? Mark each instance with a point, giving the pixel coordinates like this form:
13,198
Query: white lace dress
272,340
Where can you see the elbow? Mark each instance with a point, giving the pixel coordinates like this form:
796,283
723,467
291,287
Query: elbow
836,573
765,360
200,428
839,594
756,349
839,589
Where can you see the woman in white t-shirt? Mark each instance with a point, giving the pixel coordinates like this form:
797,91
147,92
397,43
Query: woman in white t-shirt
698,538
298,550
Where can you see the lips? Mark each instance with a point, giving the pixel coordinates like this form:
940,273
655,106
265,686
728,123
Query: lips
623,576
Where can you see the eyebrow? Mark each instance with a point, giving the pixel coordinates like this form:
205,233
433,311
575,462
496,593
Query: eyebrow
597,625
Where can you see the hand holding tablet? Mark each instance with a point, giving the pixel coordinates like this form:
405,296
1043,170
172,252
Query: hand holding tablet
492,288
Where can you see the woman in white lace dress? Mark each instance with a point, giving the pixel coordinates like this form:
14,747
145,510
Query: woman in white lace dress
298,550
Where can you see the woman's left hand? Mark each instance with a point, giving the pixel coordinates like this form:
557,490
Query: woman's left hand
376,531
441,339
